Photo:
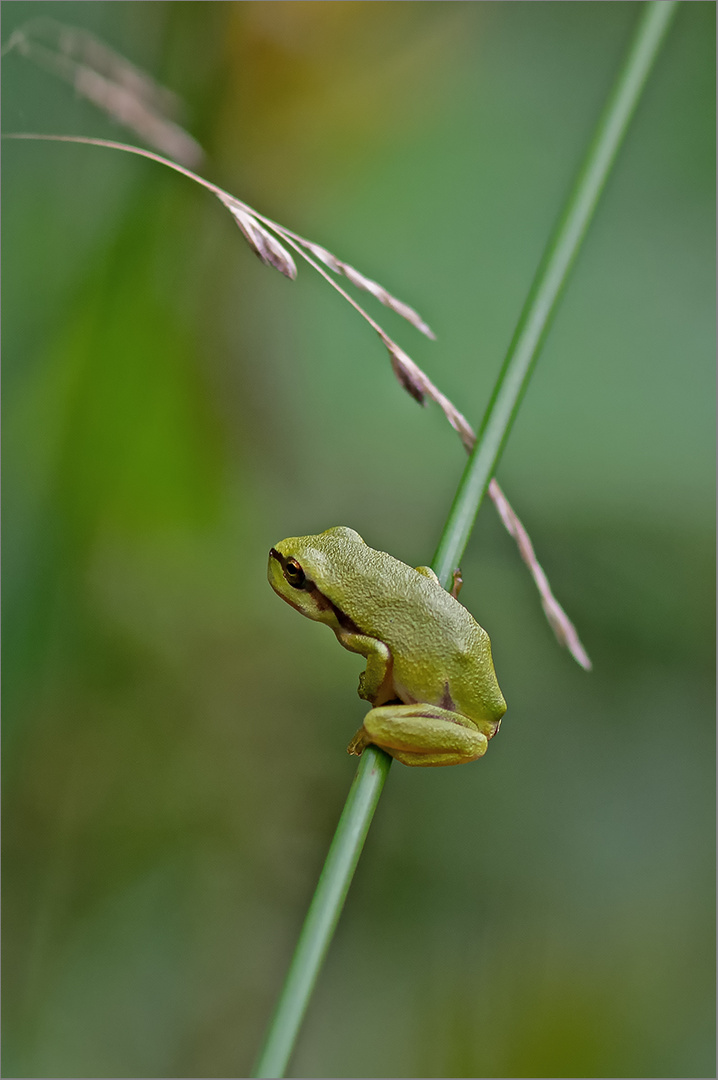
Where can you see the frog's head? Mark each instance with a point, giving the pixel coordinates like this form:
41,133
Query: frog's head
302,568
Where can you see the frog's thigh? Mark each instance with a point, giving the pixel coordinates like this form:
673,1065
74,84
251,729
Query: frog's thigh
424,734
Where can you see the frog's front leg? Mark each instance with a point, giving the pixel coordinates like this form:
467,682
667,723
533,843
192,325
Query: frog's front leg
421,735
375,684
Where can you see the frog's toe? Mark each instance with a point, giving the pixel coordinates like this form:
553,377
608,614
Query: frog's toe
359,743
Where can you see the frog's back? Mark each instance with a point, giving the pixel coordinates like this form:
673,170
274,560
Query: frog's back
459,648
426,629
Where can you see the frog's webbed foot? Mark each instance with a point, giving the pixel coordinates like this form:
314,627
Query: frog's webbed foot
359,743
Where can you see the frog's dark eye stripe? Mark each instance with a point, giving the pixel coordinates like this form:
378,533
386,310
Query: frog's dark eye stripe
299,580
294,573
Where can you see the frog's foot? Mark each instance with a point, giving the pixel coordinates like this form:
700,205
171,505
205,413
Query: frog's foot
423,735
359,743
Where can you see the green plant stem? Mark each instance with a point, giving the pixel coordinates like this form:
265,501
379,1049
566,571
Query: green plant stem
324,911
526,343
549,281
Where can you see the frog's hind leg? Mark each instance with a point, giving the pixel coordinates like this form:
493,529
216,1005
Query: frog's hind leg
362,739
424,735
427,760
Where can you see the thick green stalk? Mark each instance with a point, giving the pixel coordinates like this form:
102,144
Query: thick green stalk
533,325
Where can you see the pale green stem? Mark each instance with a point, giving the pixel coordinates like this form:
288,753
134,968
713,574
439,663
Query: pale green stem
531,330
324,911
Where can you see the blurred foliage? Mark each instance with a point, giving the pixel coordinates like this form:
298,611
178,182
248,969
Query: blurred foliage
174,736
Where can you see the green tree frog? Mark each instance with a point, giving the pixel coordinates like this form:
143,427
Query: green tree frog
429,674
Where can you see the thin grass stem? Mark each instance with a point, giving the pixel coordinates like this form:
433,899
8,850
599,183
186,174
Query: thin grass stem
549,281
510,387
324,911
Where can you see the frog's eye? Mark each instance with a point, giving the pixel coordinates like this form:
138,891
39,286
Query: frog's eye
294,573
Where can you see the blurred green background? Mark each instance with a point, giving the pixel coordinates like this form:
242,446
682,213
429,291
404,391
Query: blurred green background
174,735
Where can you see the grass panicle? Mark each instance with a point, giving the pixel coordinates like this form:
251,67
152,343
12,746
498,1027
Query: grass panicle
133,99
259,231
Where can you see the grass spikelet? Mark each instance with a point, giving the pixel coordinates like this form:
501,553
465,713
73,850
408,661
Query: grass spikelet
361,281
111,82
559,621
265,246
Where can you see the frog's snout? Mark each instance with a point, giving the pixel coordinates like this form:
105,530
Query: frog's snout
274,568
